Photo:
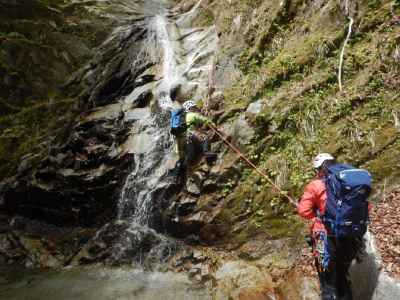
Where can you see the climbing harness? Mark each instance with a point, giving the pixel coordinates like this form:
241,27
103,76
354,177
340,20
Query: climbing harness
242,156
320,250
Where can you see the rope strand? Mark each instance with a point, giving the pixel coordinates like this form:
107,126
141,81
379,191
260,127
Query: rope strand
251,164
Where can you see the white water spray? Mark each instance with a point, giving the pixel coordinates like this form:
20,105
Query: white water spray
183,56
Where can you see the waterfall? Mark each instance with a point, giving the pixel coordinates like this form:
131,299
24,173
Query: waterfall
168,35
183,56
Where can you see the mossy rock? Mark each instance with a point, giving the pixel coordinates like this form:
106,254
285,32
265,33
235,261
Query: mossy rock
386,166
23,132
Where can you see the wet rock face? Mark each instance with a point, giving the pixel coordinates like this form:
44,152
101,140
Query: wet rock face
124,243
77,181
122,127
53,192
39,44
115,69
34,244
42,44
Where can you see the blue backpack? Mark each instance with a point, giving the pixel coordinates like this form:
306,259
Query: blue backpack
346,213
178,123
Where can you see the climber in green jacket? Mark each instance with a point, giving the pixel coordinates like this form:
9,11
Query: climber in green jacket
198,127
190,127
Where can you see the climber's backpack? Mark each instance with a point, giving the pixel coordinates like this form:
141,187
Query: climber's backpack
346,213
178,124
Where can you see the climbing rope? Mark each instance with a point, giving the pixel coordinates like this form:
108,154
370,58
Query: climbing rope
242,156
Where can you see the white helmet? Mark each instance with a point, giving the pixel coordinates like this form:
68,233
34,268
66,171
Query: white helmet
188,105
320,159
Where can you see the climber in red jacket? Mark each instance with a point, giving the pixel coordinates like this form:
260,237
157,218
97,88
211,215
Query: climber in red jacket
334,281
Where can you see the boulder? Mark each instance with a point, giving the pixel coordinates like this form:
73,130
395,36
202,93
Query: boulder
241,280
242,133
255,108
121,242
193,185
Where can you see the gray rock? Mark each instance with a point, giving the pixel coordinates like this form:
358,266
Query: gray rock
138,144
139,97
198,218
185,206
26,163
242,132
188,200
198,277
109,112
120,242
256,107
368,278
210,185
198,256
137,114
200,176
206,272
193,186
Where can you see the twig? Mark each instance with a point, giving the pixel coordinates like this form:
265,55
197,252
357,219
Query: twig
347,13
342,53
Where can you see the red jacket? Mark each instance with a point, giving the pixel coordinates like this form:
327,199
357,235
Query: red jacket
313,199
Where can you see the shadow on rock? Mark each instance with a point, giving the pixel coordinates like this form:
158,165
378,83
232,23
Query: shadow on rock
364,277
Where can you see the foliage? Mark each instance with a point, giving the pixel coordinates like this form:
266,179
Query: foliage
295,73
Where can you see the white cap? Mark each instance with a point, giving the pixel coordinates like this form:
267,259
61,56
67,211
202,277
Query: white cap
320,158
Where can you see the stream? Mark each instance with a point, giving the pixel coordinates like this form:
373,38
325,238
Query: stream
95,283
179,55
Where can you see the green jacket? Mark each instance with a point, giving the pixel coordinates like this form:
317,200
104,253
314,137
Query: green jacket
195,120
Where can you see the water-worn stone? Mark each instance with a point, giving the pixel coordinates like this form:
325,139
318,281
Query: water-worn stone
121,243
240,280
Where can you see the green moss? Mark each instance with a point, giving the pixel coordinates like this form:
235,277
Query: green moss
205,18
386,166
54,3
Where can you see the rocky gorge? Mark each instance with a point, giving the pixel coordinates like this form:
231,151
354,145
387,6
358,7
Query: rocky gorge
91,187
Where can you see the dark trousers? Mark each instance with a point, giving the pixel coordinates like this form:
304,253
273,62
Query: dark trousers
335,282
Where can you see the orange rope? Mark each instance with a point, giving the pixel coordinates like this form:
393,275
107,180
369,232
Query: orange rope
242,156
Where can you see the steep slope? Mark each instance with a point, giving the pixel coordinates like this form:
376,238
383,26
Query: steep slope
274,93
278,68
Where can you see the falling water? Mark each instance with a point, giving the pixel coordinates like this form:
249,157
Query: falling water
168,37
151,174
184,55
